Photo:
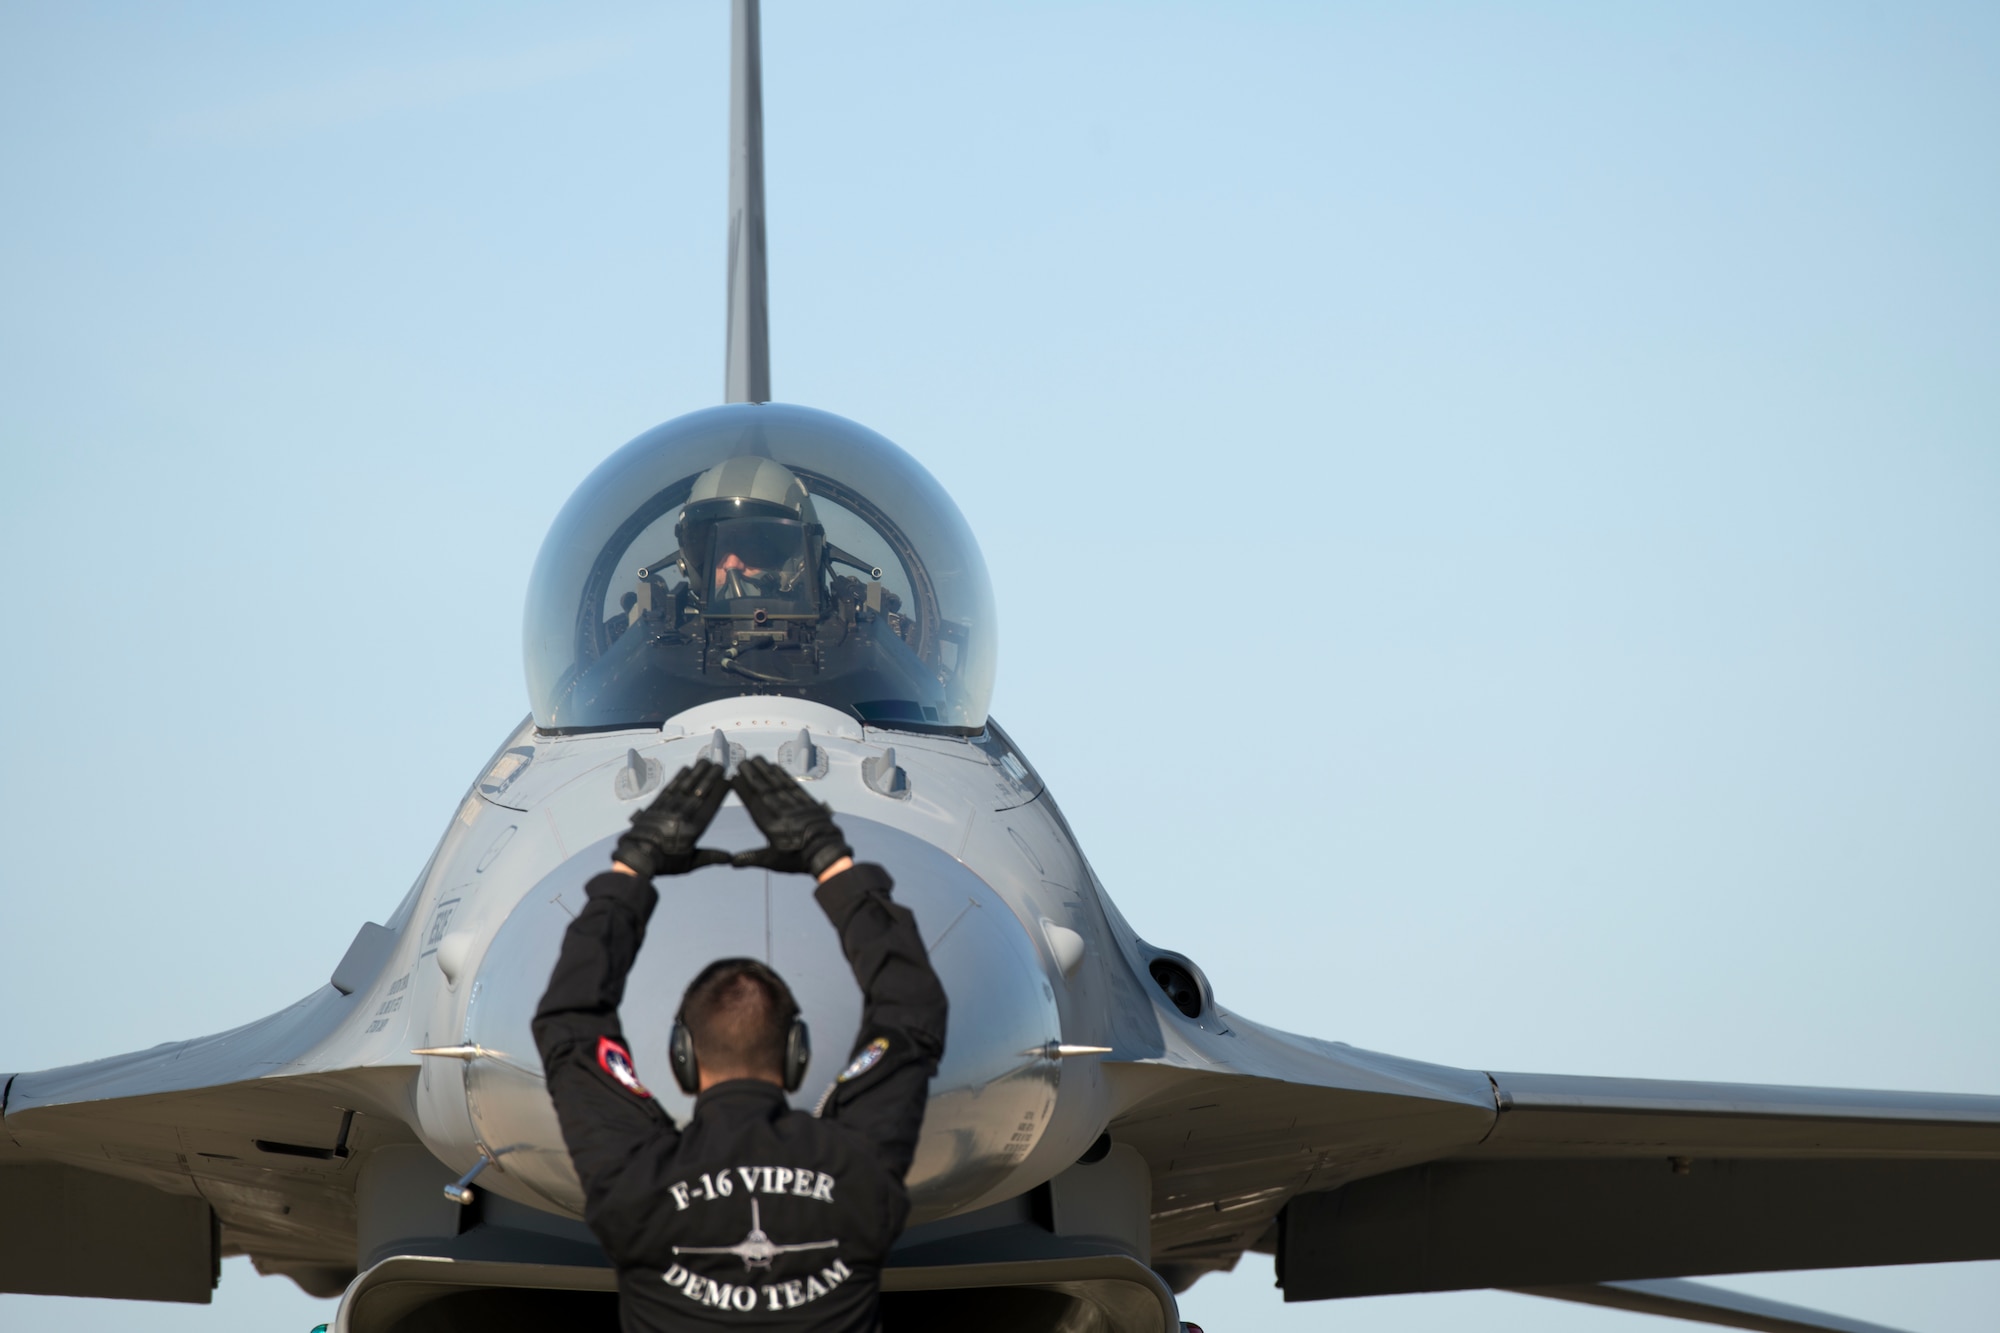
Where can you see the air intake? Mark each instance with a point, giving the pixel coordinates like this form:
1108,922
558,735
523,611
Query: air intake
1179,984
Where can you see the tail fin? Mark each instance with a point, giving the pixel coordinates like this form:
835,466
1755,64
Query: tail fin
747,371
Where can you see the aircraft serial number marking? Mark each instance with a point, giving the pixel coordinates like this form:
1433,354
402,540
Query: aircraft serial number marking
439,927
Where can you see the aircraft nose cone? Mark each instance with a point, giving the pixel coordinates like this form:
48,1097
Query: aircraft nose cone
989,1102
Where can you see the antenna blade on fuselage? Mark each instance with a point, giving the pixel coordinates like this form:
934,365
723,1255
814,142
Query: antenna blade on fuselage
747,372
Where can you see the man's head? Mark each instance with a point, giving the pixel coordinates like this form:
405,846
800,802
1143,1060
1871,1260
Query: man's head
740,1017
749,531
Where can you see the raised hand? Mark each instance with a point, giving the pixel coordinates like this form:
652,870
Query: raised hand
663,836
802,835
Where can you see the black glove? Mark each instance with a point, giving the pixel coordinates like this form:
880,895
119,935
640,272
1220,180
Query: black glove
803,838
663,836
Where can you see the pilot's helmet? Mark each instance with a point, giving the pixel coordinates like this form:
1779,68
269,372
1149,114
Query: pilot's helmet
749,510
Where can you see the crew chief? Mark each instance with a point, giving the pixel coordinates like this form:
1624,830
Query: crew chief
753,1215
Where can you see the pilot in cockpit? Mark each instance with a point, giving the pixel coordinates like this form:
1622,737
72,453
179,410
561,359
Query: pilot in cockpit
749,564
748,531
764,605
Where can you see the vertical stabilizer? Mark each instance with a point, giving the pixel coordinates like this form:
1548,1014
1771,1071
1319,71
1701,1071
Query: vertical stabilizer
747,372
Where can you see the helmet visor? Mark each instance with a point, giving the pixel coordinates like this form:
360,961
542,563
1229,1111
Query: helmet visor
757,564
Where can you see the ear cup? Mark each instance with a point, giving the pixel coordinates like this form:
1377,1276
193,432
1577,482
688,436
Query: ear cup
798,1054
680,1054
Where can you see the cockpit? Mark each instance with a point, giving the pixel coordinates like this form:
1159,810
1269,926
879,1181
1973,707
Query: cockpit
760,549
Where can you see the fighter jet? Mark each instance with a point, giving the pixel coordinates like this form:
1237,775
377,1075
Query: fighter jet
760,578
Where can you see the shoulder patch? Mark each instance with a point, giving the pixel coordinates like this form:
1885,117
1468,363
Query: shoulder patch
871,1055
616,1061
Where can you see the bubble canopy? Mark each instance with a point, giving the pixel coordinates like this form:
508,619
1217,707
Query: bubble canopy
760,549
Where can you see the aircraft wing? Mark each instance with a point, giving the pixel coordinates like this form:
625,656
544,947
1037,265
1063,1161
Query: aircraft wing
1597,1180
134,1176
1370,1175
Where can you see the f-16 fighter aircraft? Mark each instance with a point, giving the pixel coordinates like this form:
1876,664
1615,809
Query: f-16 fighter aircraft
770,580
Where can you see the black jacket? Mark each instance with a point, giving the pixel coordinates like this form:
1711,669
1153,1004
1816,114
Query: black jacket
687,1214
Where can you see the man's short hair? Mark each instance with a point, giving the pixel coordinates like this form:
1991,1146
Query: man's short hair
739,1013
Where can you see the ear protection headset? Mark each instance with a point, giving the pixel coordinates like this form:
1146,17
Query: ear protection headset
798,1037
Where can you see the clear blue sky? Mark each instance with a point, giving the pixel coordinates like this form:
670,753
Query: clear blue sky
1615,389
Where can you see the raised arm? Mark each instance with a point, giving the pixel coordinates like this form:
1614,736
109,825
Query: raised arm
606,1113
618,1136
882,1091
